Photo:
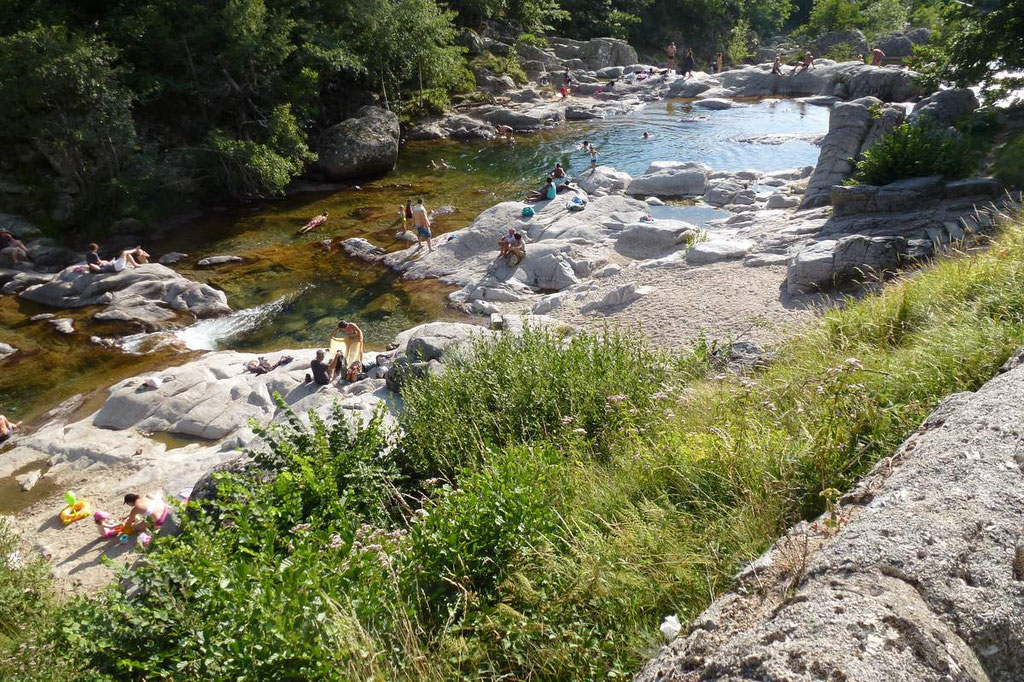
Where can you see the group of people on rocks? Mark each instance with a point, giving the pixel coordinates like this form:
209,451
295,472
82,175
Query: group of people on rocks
346,363
805,63
128,258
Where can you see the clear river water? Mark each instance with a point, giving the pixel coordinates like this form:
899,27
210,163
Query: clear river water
290,289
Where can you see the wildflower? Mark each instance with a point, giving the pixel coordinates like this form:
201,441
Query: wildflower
660,395
300,528
615,399
336,542
566,420
580,432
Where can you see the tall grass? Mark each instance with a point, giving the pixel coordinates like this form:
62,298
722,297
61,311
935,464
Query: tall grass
545,503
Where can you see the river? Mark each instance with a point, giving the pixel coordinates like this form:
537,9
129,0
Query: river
290,291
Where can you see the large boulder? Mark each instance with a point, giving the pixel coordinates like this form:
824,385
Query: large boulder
528,119
853,128
854,41
671,179
603,179
151,296
855,258
895,45
360,147
847,80
715,250
653,240
599,53
920,580
945,107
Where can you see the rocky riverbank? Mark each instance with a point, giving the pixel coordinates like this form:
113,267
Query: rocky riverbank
915,575
161,432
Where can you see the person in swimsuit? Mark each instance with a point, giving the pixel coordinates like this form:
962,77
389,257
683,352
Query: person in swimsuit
7,428
14,247
593,157
146,510
506,132
129,258
877,56
421,221
806,63
352,357
777,66
558,173
670,52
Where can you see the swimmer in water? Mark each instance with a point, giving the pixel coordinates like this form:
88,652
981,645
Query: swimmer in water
646,135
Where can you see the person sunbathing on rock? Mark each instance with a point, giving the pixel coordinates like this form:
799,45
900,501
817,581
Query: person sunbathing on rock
7,428
806,63
777,66
132,258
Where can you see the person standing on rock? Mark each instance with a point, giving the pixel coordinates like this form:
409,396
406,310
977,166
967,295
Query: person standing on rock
593,157
877,56
689,63
719,63
352,356
670,52
421,221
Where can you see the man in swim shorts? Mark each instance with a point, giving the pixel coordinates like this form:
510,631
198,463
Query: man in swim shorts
421,221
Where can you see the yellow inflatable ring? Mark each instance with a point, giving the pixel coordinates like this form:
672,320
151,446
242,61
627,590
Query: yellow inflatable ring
75,512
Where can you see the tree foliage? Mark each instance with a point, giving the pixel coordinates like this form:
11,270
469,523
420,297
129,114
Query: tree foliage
977,44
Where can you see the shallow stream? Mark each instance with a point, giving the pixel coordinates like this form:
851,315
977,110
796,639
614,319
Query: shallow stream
290,290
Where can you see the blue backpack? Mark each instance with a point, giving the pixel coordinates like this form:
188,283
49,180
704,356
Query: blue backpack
527,212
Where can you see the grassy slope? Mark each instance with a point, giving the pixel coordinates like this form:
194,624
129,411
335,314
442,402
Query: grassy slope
546,506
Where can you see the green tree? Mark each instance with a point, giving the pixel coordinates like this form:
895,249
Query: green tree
976,43
63,96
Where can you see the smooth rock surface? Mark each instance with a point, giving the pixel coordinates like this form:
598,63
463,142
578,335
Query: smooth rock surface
923,581
150,296
671,179
717,249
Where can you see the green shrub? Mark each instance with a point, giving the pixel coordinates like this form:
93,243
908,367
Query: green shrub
519,389
1009,162
915,150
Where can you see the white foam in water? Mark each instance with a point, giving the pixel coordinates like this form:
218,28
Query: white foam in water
211,334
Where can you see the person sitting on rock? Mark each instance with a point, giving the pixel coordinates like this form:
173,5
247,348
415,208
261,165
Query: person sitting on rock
558,173
518,249
506,132
545,193
322,372
877,56
14,247
505,243
806,63
777,66
7,428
